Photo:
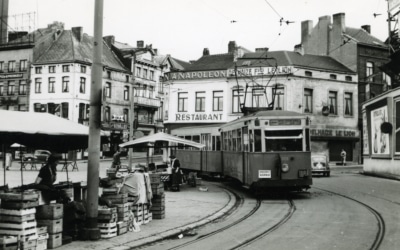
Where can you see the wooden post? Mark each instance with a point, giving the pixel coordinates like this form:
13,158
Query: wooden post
91,230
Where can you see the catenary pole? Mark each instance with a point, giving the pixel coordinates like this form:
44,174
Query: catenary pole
91,230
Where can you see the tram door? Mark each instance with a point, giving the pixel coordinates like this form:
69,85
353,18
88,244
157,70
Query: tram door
206,140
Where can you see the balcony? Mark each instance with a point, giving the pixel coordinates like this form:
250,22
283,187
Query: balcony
149,102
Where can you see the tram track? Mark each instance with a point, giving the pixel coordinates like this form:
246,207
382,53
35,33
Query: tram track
239,202
380,235
282,221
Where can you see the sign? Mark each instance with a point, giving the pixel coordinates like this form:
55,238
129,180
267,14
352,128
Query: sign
365,135
264,174
262,71
334,133
196,75
198,117
379,140
8,76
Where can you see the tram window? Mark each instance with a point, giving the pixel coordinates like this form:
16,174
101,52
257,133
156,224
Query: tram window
251,140
245,137
196,138
287,140
216,143
257,140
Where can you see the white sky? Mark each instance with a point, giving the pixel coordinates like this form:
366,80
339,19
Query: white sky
183,28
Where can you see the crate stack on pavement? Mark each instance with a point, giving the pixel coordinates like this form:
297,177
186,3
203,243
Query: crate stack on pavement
107,221
18,226
51,217
157,211
121,207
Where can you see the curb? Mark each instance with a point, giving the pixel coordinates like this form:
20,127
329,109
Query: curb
179,230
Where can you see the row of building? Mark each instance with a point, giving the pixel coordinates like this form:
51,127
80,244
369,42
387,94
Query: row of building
327,76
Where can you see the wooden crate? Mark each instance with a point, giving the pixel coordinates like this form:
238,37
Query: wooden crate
30,244
50,212
122,227
53,226
41,244
17,216
155,178
8,242
54,240
28,195
23,204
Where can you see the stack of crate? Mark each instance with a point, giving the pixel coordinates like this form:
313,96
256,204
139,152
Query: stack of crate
158,208
157,186
107,221
43,236
17,218
123,212
51,217
137,210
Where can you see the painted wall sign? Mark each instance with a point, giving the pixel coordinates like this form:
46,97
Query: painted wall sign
333,133
259,71
379,140
196,75
198,117
8,76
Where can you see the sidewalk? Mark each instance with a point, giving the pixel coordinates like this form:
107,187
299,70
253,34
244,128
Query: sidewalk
185,210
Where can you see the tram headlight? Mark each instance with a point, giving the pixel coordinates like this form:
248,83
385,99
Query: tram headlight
285,167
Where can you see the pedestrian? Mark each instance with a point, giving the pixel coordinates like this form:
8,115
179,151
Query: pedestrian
116,163
343,156
176,176
8,160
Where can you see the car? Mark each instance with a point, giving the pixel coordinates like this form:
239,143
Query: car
320,165
38,155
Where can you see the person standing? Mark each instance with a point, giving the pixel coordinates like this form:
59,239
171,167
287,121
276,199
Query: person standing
176,176
116,163
343,155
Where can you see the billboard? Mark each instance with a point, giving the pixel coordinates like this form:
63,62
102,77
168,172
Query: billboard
379,140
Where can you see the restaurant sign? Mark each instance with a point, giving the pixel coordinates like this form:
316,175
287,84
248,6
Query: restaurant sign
198,117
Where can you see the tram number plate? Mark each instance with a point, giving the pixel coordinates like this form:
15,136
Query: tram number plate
303,173
264,173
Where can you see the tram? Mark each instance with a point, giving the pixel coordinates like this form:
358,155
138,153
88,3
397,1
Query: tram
264,150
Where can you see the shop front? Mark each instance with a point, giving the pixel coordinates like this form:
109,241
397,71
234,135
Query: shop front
331,141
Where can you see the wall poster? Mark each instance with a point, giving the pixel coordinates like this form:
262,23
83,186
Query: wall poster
365,135
379,140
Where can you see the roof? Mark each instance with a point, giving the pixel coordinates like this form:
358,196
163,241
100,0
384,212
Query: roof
212,62
66,47
362,36
291,58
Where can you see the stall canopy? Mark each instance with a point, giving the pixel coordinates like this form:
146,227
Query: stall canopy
42,130
160,137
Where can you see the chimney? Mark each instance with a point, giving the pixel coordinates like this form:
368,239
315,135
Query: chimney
140,44
206,52
78,33
155,51
262,49
231,46
306,28
339,21
4,21
299,49
109,40
367,28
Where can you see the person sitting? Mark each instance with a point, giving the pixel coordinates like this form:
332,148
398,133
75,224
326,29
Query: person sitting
48,173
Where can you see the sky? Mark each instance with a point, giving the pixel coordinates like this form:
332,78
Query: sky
183,28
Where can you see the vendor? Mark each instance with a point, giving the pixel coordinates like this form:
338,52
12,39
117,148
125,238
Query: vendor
48,173
176,177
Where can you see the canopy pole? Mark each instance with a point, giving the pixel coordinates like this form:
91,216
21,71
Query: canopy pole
91,230
4,162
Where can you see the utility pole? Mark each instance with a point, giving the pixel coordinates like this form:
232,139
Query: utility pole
91,230
132,113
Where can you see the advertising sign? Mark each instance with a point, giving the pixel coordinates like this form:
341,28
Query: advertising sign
379,140
365,135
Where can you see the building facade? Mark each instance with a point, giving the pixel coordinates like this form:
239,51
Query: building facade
215,89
